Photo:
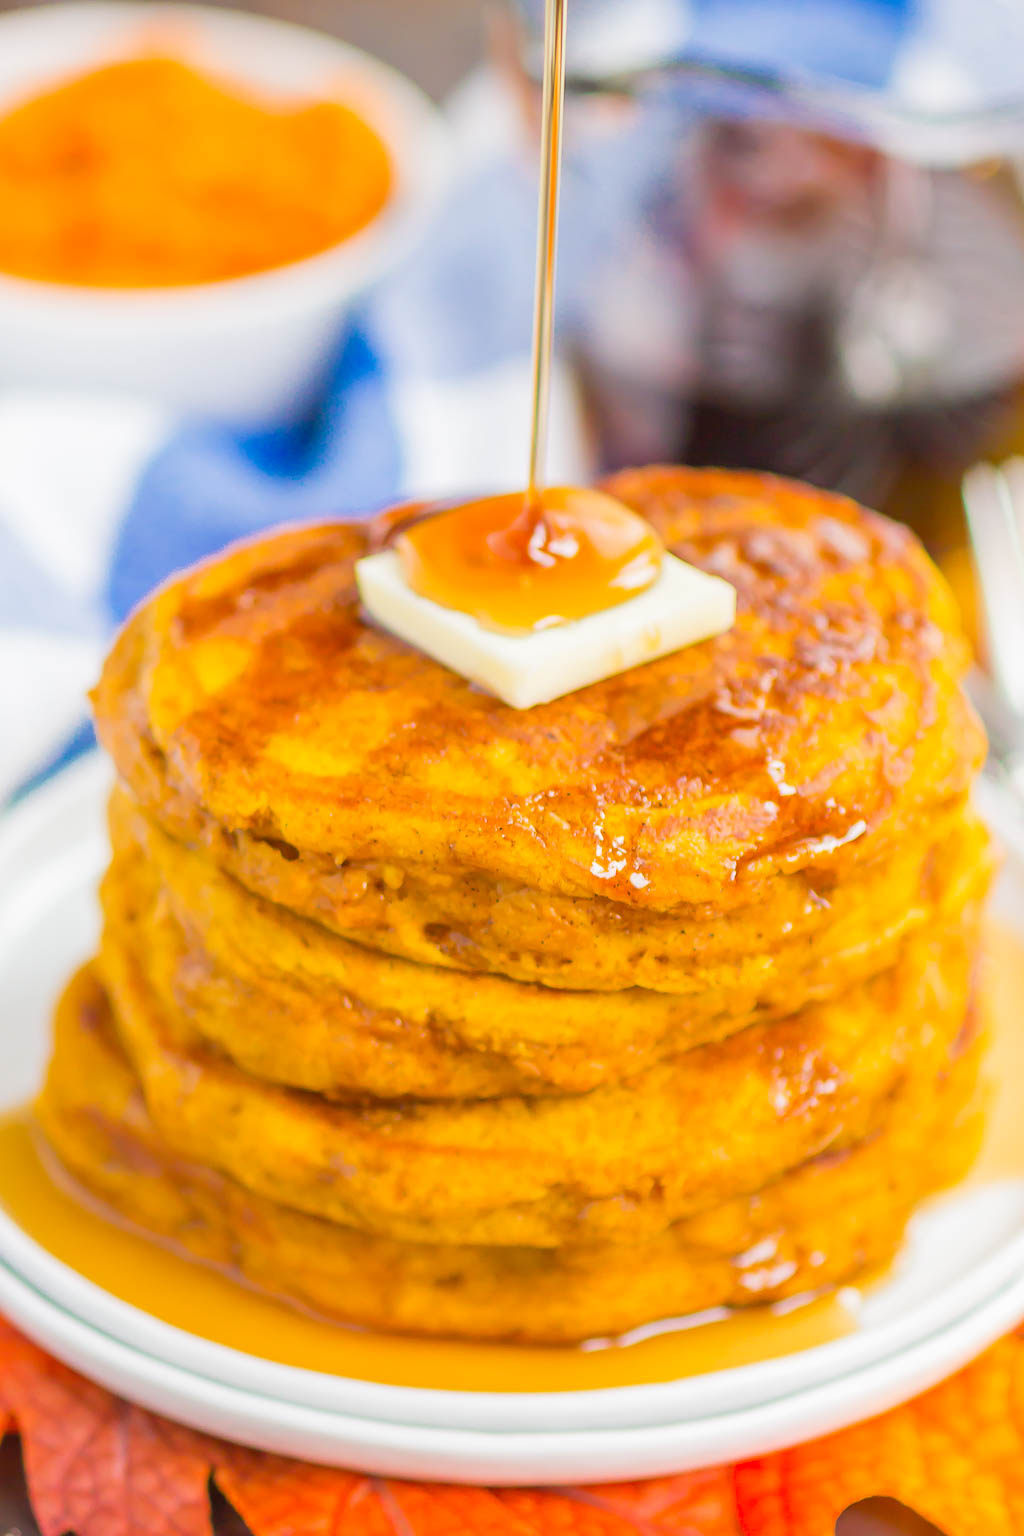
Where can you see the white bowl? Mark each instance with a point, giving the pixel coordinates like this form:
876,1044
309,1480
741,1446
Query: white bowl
247,350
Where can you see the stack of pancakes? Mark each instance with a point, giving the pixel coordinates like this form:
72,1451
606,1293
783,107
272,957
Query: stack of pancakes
441,1017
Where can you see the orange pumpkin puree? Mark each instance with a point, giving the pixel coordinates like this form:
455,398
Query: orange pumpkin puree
146,173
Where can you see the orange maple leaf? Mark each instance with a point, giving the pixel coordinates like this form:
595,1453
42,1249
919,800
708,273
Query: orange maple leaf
955,1455
692,1504
278,1497
97,1465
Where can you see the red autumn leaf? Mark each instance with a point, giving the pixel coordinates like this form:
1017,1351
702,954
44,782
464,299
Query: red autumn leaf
443,1510
279,1497
694,1504
97,1465
955,1455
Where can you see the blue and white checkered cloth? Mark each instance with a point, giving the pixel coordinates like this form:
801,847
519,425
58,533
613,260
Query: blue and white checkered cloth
101,498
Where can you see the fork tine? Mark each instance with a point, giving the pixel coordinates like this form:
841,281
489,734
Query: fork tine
994,502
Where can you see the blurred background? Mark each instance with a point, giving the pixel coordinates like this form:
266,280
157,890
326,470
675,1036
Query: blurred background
435,42
792,236
792,239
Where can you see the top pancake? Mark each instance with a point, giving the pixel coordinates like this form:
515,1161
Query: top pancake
251,692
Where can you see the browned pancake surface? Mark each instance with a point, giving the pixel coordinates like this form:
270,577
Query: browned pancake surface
621,1162
251,694
296,1004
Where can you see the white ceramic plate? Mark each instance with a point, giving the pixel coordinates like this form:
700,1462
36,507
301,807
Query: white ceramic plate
496,1457
964,1261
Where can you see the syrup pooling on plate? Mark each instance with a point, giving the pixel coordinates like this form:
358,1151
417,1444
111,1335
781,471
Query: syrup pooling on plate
519,564
201,1300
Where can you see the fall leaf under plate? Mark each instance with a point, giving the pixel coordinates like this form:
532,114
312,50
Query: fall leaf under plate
101,1467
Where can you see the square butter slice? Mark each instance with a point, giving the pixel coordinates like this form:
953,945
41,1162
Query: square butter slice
683,606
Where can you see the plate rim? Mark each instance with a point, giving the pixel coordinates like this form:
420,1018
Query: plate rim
505,1458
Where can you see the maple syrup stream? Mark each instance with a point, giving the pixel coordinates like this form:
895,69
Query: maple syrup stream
553,110
523,562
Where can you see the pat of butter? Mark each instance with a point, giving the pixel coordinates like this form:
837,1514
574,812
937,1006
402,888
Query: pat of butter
683,606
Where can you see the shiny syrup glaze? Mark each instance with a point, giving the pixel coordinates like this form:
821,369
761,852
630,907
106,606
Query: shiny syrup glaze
519,564
730,720
214,1306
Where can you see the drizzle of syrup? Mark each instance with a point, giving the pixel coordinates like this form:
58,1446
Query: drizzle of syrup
215,1306
529,561
519,563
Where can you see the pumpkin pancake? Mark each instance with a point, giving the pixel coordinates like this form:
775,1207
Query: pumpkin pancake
479,924
819,1225
249,700
293,1003
620,1163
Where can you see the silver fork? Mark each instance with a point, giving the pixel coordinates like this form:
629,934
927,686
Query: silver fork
993,497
